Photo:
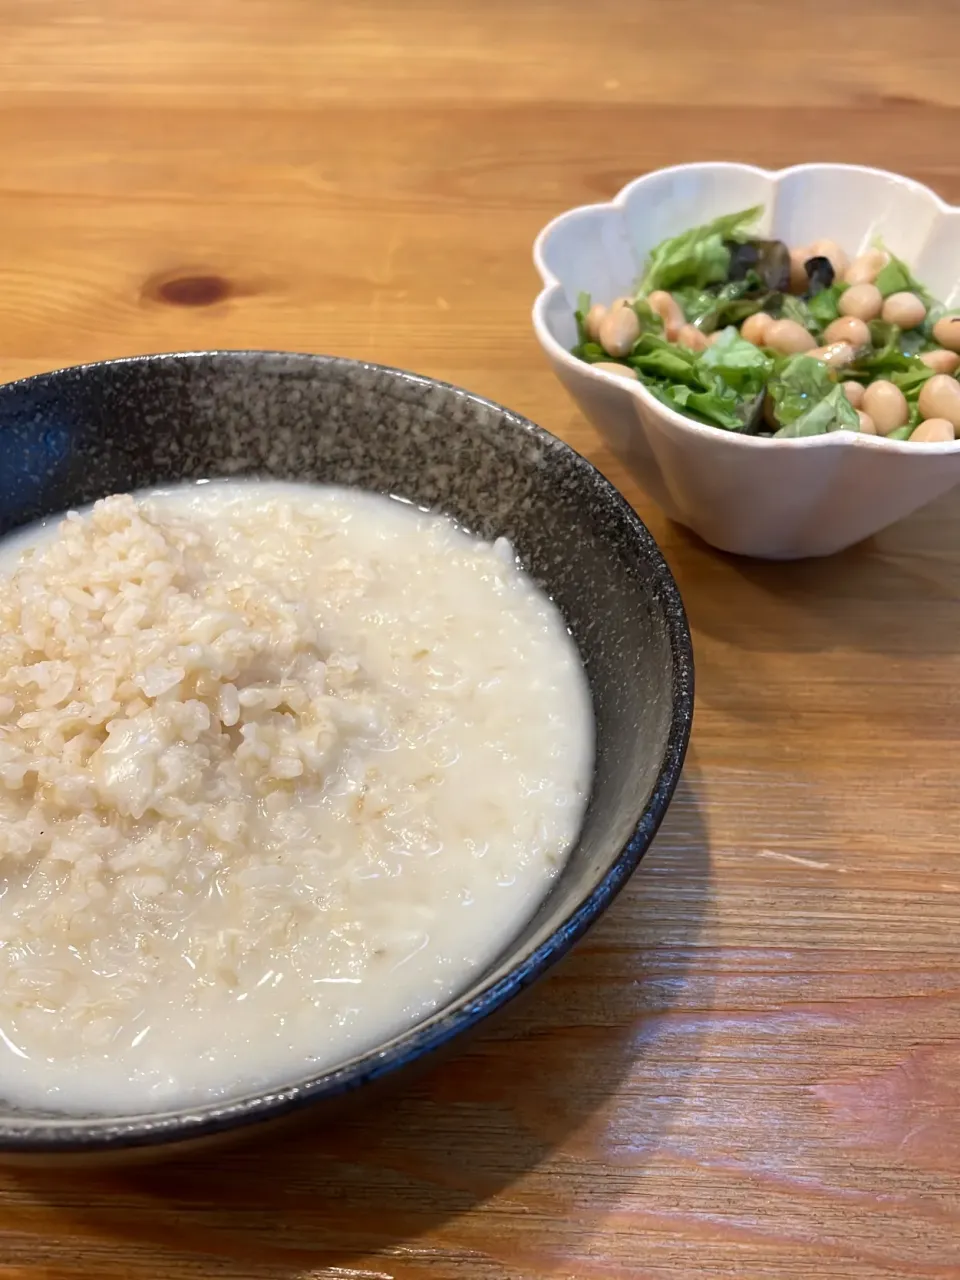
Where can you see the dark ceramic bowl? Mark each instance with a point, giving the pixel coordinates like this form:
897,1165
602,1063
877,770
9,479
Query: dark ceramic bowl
69,437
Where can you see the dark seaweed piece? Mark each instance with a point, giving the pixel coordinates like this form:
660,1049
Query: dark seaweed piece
768,259
744,257
820,273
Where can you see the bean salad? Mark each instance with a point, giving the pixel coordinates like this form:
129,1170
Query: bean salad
749,335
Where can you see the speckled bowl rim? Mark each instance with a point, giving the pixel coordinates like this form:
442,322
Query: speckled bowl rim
88,1136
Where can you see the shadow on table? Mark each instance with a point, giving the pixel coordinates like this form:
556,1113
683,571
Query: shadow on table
413,1162
895,594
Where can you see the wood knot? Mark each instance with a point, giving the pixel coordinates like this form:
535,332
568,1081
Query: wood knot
188,290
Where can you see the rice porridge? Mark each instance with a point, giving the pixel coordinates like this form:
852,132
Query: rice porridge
281,768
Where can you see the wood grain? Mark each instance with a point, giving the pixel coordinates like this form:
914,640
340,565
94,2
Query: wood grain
751,1068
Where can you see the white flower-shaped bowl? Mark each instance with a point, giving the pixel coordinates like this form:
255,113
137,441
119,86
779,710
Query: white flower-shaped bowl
777,499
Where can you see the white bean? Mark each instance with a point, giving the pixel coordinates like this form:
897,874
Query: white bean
864,301
620,370
947,332
789,338
933,431
837,355
904,309
619,330
592,321
847,329
670,312
886,405
754,329
854,393
867,425
691,337
865,268
941,361
940,398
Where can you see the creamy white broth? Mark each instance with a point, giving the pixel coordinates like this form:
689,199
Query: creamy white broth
282,767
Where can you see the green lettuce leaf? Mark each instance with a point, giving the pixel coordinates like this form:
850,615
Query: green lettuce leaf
793,308
896,277
718,306
650,321
886,357
824,306
833,413
884,338
888,338
910,381
717,404
697,257
695,302
580,315
893,278
742,366
591,352
813,313
674,375
669,362
798,383
893,357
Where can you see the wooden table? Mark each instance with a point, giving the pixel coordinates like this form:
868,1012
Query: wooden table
751,1068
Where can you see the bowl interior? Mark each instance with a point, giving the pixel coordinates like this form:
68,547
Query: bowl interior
71,437
601,249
